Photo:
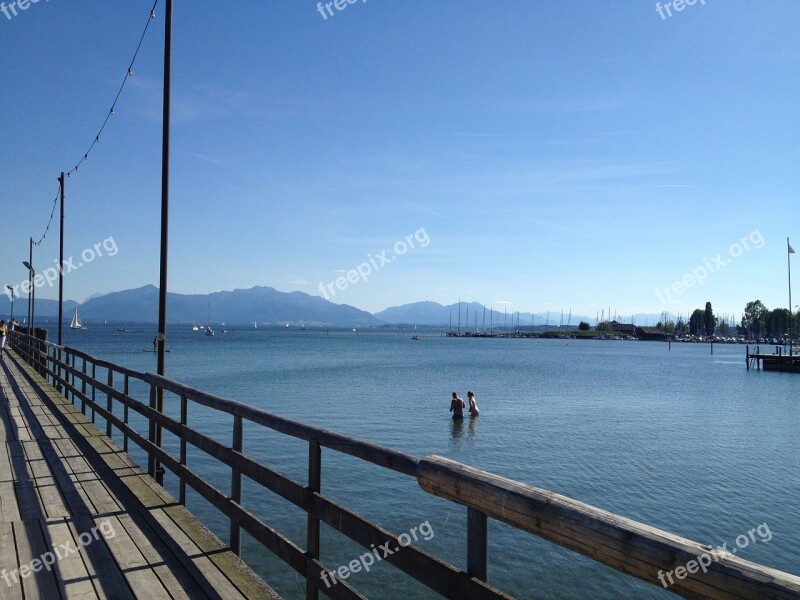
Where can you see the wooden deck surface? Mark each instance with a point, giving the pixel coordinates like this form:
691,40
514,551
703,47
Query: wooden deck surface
69,496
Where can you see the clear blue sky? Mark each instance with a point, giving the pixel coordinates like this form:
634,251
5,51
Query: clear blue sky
557,154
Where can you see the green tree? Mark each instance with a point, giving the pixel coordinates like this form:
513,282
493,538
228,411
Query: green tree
584,326
709,320
755,317
697,322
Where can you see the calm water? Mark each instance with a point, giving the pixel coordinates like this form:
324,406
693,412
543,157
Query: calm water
682,440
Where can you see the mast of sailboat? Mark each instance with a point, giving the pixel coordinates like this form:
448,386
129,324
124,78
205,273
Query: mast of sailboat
459,316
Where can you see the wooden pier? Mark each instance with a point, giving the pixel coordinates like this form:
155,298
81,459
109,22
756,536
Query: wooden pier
778,361
63,482
78,519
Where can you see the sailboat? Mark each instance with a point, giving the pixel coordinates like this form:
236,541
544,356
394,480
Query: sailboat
76,321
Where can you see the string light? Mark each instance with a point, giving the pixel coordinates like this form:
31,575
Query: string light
128,74
109,114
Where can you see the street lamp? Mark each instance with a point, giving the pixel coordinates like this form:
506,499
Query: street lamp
31,296
11,289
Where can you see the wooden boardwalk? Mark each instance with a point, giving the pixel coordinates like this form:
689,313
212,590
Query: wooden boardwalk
79,519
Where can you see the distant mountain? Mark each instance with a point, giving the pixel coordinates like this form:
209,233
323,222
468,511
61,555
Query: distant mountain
46,309
95,295
269,306
262,304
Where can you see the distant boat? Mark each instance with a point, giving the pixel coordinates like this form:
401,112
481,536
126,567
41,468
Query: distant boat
415,337
287,324
195,327
222,329
255,324
76,321
209,331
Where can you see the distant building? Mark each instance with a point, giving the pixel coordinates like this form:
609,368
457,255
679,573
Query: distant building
624,328
651,334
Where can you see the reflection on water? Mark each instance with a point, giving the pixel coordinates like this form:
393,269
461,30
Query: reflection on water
458,430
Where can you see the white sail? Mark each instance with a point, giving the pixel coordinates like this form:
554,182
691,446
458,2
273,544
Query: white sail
76,321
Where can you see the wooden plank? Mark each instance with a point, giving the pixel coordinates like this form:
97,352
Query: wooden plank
8,563
624,544
31,545
99,561
72,577
166,566
235,570
135,568
213,576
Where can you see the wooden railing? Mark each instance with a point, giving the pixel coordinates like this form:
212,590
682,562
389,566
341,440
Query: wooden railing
625,545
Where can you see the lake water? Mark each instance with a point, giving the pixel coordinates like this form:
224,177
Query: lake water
679,439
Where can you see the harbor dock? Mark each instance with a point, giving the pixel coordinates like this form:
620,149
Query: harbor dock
778,361
72,499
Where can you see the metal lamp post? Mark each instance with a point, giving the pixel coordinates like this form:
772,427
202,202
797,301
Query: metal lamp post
11,289
31,296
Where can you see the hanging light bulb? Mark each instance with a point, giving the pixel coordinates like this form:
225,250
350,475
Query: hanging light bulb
86,156
112,111
97,139
130,72
152,14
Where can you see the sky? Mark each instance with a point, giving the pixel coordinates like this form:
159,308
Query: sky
527,155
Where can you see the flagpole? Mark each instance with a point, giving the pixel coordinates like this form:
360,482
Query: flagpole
789,252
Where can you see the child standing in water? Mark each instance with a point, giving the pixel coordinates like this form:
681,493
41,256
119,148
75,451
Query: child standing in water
457,406
473,405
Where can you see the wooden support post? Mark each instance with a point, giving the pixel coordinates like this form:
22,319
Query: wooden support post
184,419
477,542
125,387
152,462
109,401
94,389
236,485
313,531
83,388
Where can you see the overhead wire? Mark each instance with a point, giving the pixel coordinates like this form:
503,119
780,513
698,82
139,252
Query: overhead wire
109,114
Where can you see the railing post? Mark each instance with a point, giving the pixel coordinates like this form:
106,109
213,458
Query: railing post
125,388
313,533
94,388
83,387
477,540
152,461
109,405
236,485
184,422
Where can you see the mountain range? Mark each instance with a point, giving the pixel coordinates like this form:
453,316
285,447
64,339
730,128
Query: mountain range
268,306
